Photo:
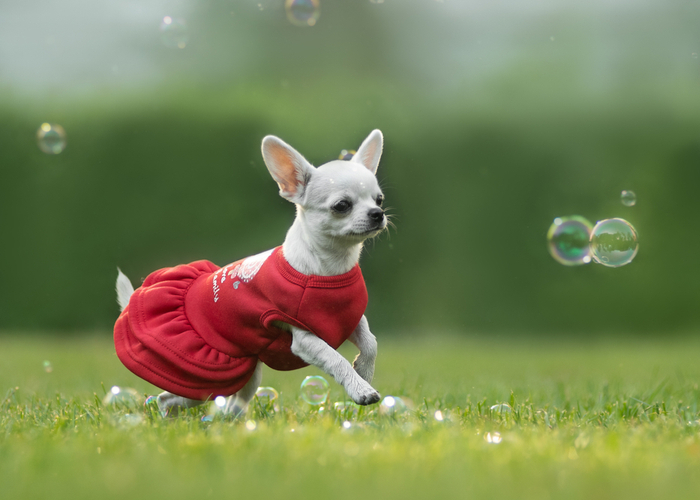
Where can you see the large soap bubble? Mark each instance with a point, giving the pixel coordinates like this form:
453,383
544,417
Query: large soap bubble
568,240
614,242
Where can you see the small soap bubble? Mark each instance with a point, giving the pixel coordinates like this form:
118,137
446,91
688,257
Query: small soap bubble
127,420
493,437
439,416
314,390
51,138
347,425
392,405
347,154
628,198
303,12
568,240
123,405
268,398
614,242
151,405
251,425
48,368
346,410
501,408
216,409
119,398
174,33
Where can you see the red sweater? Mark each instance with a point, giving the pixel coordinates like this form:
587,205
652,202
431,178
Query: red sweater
198,330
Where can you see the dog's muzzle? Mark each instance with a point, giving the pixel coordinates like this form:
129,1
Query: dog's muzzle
376,215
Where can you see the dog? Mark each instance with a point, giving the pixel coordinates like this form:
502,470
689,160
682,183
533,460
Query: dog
199,331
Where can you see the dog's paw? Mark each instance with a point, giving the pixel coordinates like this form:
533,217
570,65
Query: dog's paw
368,399
364,394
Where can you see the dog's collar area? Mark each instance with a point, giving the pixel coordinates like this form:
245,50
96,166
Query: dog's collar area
313,280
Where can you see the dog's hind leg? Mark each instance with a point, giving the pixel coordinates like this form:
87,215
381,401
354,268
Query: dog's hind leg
236,404
170,404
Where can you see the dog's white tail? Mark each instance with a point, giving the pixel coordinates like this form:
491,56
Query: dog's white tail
124,290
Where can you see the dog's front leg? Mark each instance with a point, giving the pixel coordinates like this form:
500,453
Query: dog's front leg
315,351
366,342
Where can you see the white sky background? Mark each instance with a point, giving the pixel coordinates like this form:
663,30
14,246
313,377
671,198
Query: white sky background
76,45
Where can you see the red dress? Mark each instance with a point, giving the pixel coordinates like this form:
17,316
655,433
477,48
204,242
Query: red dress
198,330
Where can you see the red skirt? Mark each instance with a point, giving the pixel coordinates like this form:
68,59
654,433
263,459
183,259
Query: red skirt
155,340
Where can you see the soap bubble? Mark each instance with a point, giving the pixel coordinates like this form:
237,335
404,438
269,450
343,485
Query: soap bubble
251,425
493,437
126,420
347,154
628,198
151,405
346,409
392,405
501,408
302,12
123,405
174,33
51,138
120,398
314,390
216,410
439,416
268,398
48,368
614,242
153,408
568,240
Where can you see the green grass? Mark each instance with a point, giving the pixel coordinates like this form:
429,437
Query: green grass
591,419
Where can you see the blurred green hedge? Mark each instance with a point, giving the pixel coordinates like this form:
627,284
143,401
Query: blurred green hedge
474,181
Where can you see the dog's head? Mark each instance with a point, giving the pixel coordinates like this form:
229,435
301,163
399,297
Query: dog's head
340,199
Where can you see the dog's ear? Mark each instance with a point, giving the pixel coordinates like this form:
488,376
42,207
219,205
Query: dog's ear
288,168
370,151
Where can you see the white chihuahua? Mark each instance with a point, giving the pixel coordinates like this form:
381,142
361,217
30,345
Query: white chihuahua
313,279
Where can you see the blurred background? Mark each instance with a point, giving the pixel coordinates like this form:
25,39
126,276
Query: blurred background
498,117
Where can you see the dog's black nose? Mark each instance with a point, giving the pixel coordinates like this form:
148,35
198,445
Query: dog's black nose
376,214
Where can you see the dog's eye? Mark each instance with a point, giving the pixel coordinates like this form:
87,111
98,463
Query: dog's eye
342,206
380,200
